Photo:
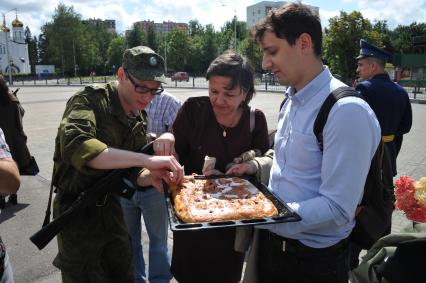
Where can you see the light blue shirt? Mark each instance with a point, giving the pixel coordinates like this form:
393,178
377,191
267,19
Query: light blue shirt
324,188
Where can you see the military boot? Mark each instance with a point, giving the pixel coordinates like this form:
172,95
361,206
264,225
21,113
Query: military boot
2,202
13,199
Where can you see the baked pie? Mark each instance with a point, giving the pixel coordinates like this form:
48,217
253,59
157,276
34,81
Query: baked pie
208,200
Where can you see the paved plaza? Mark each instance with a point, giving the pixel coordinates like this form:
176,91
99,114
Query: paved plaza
44,106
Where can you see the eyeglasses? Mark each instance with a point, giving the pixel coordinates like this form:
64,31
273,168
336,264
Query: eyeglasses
144,89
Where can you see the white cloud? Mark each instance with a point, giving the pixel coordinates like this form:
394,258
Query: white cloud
325,15
395,12
125,12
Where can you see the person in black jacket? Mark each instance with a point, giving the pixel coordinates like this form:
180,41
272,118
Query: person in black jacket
11,113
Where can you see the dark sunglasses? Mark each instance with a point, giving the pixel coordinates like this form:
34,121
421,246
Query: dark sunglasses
144,89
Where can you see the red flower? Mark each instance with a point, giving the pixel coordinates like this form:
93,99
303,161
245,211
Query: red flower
406,201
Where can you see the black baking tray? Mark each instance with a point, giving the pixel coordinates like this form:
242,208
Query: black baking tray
285,213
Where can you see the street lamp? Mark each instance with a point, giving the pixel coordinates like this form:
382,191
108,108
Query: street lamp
6,30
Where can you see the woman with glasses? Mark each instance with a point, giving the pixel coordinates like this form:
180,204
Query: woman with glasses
216,125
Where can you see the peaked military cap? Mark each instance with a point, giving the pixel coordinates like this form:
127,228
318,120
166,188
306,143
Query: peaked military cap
370,50
144,64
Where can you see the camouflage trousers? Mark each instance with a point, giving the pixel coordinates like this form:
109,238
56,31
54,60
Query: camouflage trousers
95,247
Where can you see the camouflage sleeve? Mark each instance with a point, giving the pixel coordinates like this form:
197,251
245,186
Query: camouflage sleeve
77,133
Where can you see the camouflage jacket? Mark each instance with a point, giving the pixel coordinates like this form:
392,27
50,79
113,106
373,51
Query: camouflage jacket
93,120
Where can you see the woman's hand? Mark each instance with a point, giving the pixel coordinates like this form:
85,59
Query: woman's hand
164,144
212,172
244,168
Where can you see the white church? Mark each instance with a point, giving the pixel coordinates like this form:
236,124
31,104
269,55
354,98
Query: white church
13,46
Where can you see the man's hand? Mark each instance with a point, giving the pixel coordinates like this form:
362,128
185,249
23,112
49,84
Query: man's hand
242,169
164,144
157,178
167,163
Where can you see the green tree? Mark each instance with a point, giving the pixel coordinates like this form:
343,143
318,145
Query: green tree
43,54
32,49
401,36
115,54
151,39
178,51
64,36
94,45
203,49
341,42
135,37
195,28
252,51
210,48
381,28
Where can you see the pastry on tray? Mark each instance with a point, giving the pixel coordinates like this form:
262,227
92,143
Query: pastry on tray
220,199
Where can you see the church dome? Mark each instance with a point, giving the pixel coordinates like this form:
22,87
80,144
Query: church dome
17,23
4,28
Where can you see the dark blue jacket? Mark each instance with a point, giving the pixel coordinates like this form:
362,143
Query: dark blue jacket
391,104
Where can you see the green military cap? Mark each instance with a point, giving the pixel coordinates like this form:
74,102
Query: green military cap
144,64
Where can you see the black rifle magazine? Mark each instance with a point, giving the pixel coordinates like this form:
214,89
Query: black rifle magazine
285,213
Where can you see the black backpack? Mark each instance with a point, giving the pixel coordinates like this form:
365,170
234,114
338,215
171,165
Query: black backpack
374,220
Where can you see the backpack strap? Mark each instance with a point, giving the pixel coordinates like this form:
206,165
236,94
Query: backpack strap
325,109
252,119
283,102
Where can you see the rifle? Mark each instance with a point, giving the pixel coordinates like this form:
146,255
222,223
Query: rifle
114,179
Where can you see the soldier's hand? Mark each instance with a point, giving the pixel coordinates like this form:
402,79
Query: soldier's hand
164,144
157,178
169,163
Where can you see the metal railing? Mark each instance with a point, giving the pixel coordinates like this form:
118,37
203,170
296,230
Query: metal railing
416,93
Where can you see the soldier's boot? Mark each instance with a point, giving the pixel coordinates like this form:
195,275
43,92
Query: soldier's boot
2,202
13,199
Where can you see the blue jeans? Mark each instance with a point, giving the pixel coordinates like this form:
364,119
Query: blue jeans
149,203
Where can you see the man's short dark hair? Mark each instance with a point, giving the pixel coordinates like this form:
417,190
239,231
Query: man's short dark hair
237,67
379,62
289,22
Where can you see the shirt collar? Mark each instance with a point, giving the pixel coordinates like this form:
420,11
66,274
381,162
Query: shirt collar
309,90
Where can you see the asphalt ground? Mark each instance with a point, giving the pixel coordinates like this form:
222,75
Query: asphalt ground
44,106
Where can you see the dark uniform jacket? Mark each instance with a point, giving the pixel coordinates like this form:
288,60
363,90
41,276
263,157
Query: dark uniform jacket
93,120
11,122
391,104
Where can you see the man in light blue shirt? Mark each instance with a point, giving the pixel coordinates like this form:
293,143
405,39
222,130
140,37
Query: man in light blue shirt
324,188
149,203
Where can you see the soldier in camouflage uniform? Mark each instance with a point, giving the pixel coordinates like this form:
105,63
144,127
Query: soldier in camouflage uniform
102,128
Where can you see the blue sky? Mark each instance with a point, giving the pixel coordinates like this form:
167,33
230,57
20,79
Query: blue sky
34,13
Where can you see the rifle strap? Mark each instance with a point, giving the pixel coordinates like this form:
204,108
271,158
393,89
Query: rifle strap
47,214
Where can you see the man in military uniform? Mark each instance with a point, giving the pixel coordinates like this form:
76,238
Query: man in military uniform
102,128
390,103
